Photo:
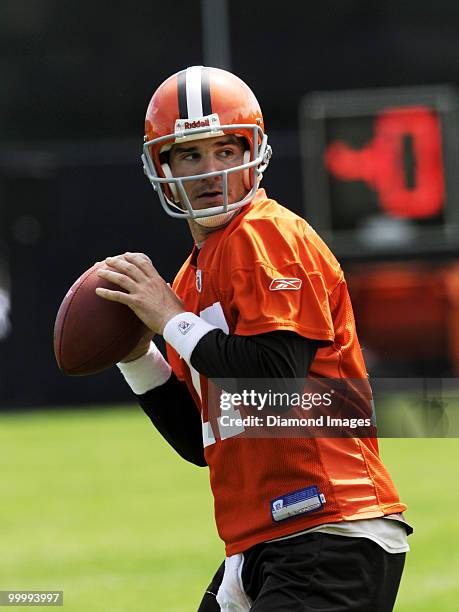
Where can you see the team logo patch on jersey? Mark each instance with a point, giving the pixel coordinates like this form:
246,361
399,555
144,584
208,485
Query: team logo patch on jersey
290,284
184,327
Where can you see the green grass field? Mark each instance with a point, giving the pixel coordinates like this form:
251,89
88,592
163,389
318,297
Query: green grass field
95,503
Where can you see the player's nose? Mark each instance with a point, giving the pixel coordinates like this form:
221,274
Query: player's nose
210,163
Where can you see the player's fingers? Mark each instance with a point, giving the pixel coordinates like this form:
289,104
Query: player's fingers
120,264
121,280
140,256
142,261
113,296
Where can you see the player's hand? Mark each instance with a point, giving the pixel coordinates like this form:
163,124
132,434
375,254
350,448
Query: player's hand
145,291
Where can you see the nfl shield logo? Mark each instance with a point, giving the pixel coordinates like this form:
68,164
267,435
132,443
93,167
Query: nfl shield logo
199,280
184,327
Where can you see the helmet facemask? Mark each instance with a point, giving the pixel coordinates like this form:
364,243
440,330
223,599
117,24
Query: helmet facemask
171,190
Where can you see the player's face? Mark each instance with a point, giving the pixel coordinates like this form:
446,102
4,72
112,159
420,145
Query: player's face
209,155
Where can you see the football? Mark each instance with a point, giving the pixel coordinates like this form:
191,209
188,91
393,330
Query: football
92,334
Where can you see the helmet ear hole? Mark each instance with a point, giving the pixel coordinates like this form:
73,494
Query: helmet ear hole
246,176
168,174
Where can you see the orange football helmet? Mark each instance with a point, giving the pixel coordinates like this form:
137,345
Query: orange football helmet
202,102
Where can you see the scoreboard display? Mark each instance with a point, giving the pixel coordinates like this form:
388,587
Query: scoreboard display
380,170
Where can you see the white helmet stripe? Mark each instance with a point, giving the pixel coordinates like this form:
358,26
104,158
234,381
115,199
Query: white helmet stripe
193,91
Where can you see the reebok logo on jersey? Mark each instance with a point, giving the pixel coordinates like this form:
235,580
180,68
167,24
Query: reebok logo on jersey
184,327
292,284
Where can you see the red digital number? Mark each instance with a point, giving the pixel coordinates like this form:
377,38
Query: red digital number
380,163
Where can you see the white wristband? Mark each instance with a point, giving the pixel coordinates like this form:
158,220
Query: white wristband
184,331
147,372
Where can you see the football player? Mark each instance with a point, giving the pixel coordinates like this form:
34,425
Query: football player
308,522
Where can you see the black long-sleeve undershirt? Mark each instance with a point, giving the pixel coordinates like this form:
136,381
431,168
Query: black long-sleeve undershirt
275,355
173,412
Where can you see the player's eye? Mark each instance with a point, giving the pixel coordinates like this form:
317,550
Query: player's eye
190,156
226,152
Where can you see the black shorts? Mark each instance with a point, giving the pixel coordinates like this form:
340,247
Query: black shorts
316,571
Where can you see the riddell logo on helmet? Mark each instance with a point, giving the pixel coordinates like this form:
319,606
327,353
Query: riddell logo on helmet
211,122
189,125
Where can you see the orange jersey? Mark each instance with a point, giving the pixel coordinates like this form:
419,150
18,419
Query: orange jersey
268,270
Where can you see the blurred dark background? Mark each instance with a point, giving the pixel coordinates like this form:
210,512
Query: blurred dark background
76,80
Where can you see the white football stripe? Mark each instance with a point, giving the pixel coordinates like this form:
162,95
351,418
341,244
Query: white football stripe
193,92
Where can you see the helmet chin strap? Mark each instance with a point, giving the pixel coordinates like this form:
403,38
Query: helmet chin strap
216,220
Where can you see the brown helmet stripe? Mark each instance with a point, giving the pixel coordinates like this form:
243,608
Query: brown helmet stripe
181,86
